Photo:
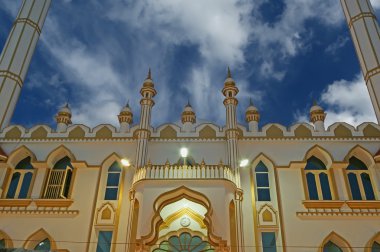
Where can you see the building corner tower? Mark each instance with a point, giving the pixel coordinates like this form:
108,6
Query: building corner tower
17,54
143,132
365,35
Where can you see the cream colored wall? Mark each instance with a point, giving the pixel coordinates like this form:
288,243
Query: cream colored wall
281,152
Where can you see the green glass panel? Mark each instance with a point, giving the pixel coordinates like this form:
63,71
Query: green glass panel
331,247
185,243
43,245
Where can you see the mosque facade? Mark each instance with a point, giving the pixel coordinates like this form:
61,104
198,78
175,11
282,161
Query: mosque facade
189,186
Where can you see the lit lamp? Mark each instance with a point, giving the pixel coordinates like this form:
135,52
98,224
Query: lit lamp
244,163
184,152
125,162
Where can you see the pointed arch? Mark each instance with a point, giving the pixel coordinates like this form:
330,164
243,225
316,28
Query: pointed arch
175,195
207,132
109,160
269,163
362,154
111,174
8,243
40,235
320,153
372,241
19,154
337,240
59,153
14,132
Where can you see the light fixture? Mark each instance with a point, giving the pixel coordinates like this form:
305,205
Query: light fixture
184,152
244,163
125,162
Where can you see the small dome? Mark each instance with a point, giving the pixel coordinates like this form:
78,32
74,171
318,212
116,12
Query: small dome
127,108
316,108
188,107
148,81
252,108
65,109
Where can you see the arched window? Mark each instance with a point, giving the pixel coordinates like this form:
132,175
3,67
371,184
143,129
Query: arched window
262,182
331,247
113,181
19,185
359,180
59,180
317,179
43,245
2,244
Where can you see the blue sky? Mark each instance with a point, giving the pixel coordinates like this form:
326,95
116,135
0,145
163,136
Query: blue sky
283,54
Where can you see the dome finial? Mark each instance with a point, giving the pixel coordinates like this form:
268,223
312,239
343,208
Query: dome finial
188,103
127,104
250,101
149,74
315,102
229,75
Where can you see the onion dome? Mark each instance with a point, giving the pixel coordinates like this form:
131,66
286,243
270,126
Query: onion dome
64,115
229,89
148,86
252,113
317,113
126,114
188,114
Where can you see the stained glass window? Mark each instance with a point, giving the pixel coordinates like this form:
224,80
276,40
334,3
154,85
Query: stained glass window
185,243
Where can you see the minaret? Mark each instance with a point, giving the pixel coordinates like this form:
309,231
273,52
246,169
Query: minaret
143,133
125,118
252,116
230,102
63,118
188,118
317,117
17,54
365,34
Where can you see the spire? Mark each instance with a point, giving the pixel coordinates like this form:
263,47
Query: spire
229,75
127,104
149,77
188,103
315,102
250,101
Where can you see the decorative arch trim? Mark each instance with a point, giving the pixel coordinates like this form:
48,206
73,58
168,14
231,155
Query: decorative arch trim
362,154
320,153
19,154
338,240
7,239
38,236
59,153
173,196
375,238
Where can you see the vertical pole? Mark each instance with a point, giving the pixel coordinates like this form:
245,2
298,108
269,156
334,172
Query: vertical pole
17,54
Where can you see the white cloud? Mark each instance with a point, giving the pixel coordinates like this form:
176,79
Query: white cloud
340,42
348,101
375,4
219,27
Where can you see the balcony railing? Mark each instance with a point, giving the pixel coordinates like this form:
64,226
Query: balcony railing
187,172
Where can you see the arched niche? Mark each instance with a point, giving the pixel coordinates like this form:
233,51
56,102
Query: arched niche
302,131
207,132
371,131
76,132
168,133
267,216
103,132
13,133
342,131
39,132
274,132
106,214
374,242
